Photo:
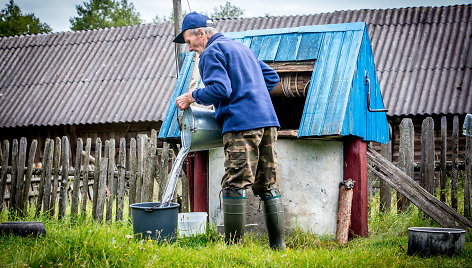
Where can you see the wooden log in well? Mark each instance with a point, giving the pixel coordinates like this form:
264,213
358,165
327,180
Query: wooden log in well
121,180
55,184
88,147
455,161
101,193
98,156
427,155
76,186
64,177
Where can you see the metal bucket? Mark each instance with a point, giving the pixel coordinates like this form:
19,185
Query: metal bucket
199,129
427,241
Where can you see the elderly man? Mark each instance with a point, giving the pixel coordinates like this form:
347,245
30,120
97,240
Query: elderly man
237,84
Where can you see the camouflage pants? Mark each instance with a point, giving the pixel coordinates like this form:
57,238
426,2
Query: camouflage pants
250,159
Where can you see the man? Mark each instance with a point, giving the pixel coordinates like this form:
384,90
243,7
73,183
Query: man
237,84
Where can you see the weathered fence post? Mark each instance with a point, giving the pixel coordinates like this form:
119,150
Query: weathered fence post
14,172
29,175
146,193
385,189
406,157
76,186
103,166
140,172
98,157
121,180
85,187
427,155
47,181
153,166
443,177
21,175
64,178
132,173
3,173
43,178
468,165
455,161
55,185
110,179
164,169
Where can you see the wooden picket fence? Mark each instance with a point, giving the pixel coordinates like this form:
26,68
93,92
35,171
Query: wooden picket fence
433,174
97,182
101,182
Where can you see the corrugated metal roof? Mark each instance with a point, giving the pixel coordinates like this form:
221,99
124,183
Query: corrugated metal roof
336,102
423,60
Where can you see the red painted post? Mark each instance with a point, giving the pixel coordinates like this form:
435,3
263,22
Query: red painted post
190,178
200,189
355,168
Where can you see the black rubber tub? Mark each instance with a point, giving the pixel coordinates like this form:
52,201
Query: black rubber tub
151,220
429,241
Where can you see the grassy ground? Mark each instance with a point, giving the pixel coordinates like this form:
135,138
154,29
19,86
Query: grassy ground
84,243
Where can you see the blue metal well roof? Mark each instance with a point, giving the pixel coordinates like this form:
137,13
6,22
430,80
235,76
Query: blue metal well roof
336,102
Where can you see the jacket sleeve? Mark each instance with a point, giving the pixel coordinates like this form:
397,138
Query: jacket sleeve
216,80
270,76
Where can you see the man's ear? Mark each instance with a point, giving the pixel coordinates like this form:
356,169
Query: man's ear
201,31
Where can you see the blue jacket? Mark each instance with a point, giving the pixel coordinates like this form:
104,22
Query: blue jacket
237,84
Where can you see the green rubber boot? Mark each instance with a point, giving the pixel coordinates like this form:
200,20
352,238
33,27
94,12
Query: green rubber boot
274,218
234,211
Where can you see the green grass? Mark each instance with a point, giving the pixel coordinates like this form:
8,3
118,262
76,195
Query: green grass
85,243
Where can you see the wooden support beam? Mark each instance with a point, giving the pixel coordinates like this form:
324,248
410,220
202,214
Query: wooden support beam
428,203
283,67
355,168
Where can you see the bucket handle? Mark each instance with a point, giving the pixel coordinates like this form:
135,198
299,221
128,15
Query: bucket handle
150,209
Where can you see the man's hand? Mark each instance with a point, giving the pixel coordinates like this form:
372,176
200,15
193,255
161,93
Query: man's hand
184,101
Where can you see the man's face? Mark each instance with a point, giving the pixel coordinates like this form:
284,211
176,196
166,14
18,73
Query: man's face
195,42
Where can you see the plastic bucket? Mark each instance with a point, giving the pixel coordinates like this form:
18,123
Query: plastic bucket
192,223
199,129
428,241
155,222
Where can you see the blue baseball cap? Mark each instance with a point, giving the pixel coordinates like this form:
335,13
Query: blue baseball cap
192,21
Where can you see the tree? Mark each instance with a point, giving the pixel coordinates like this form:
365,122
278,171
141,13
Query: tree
104,13
227,10
13,22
